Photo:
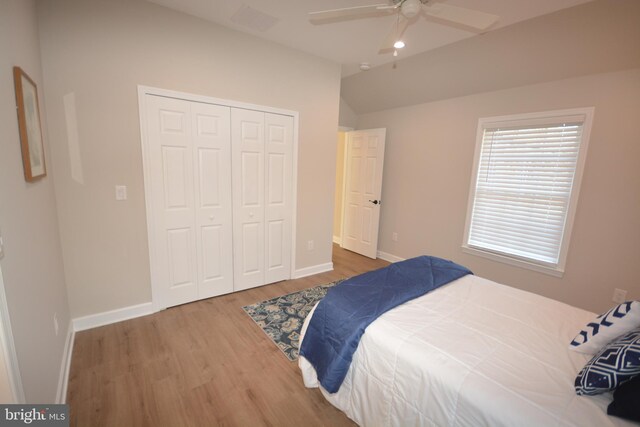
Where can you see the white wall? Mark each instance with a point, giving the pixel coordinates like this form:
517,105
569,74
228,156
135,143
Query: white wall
428,163
32,266
100,50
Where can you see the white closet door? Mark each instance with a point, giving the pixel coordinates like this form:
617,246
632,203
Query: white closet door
218,181
248,148
171,172
278,203
212,159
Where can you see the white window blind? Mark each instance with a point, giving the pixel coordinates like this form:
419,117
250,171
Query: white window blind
525,175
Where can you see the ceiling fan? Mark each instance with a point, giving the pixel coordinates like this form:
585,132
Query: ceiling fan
406,10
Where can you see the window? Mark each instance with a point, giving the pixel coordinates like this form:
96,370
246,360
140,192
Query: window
525,186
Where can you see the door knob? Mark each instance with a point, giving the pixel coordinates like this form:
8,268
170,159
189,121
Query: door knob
375,202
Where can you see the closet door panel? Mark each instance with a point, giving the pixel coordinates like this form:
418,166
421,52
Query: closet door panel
275,245
247,135
211,141
171,170
179,242
278,196
213,256
251,254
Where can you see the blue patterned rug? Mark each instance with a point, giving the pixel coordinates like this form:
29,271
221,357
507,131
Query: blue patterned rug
281,318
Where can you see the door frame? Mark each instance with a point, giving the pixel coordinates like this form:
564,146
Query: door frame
344,129
8,348
149,90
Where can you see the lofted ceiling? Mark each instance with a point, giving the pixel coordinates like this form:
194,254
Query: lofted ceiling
354,41
596,37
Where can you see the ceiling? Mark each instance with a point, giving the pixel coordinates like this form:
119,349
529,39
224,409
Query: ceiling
352,42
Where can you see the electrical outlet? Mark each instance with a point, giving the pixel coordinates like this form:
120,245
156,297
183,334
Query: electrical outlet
394,236
55,323
121,192
619,295
310,245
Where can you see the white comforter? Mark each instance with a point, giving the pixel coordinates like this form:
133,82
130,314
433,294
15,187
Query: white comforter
472,353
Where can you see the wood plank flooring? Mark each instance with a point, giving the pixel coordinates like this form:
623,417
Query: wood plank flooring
199,364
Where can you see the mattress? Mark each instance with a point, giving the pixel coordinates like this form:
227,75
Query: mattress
472,353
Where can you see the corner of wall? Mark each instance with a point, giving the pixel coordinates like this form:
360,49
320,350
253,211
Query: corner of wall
347,117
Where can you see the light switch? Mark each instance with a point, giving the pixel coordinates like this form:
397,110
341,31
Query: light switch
121,192
619,295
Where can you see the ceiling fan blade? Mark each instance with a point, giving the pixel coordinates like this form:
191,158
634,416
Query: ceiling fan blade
332,15
394,35
460,15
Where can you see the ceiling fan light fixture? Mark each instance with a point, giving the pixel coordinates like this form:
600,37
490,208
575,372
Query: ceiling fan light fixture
399,44
410,8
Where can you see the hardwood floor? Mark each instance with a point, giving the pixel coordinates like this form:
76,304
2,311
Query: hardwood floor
199,364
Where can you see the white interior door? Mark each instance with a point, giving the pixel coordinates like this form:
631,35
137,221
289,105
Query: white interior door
363,186
248,148
278,196
189,157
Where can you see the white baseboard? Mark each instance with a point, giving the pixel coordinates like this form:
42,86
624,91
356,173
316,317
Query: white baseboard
63,380
113,316
389,257
337,240
314,269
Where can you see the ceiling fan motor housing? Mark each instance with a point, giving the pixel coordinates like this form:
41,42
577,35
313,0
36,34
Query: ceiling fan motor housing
410,8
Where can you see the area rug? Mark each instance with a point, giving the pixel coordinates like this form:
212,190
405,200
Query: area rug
281,318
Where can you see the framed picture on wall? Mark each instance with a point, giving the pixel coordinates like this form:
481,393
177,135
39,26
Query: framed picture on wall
29,124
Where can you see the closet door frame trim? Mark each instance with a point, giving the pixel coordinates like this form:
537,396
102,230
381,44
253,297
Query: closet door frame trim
143,91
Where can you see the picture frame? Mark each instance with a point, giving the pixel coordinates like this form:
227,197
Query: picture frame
28,109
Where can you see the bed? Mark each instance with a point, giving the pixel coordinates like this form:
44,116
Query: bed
471,353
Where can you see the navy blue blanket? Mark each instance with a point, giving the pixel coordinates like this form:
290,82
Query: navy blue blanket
348,308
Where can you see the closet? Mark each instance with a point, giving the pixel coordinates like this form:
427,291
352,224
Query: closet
219,187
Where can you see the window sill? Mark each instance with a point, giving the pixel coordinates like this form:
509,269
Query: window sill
552,271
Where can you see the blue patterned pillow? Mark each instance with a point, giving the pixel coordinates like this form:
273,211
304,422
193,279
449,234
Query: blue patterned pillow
615,364
606,327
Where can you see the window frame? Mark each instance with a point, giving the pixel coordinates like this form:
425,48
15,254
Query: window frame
543,118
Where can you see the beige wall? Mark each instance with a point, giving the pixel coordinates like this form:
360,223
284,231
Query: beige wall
428,162
100,50
32,266
337,210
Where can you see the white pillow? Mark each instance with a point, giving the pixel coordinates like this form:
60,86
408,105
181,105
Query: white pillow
607,327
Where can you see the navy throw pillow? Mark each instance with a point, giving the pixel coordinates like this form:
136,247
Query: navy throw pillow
616,363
